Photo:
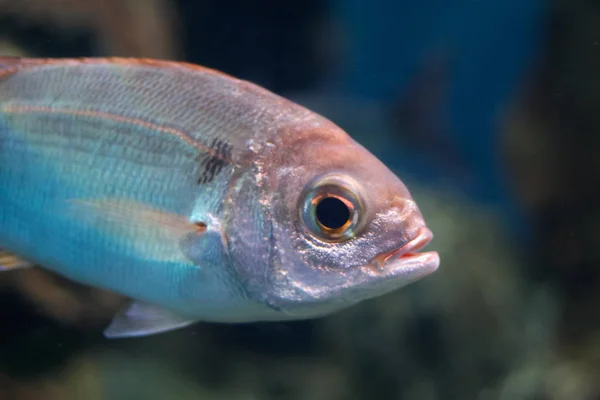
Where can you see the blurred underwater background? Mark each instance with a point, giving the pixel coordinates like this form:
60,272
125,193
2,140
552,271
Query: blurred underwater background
485,109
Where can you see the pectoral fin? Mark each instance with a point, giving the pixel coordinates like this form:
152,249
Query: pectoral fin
9,261
142,319
151,233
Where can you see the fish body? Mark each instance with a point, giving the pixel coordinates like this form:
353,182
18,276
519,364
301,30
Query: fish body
189,191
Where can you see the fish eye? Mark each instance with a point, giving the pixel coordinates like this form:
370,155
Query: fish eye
332,208
333,213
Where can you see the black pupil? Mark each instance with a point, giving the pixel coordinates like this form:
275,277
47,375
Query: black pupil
332,213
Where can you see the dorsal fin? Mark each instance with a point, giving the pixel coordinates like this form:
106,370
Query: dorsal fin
11,64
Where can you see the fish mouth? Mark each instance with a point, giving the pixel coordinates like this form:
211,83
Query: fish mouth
407,260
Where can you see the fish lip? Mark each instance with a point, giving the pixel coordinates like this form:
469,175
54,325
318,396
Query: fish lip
408,258
410,248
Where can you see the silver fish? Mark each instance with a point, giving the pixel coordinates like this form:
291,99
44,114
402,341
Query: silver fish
199,196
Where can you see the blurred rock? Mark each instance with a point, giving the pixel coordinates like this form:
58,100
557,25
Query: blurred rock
8,48
130,28
61,299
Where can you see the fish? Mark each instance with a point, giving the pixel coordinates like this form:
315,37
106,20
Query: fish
198,196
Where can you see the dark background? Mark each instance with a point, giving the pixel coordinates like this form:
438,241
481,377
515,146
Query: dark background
486,109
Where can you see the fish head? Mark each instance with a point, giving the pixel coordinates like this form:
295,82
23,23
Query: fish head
339,227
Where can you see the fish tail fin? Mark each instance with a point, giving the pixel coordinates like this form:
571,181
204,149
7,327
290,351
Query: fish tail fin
10,261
